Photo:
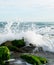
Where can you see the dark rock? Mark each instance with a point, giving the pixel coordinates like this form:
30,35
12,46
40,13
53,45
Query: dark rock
28,49
40,49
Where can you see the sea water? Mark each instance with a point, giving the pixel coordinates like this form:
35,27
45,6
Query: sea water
37,33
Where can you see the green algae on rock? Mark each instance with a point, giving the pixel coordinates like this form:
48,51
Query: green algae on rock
18,43
4,54
15,45
32,59
43,60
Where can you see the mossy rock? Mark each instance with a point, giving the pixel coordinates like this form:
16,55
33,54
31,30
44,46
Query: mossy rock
15,45
43,60
12,48
4,54
15,49
32,59
18,43
7,43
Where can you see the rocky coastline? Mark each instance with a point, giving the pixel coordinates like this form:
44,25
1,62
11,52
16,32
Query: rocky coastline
18,47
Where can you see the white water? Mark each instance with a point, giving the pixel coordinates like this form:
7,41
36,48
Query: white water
31,36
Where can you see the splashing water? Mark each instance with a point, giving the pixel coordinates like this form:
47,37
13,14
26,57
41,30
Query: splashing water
39,34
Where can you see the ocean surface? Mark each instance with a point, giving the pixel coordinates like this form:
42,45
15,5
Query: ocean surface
38,33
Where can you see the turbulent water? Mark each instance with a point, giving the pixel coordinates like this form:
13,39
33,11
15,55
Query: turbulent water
37,33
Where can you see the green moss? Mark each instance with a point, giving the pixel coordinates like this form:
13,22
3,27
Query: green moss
32,59
18,43
43,60
4,54
14,45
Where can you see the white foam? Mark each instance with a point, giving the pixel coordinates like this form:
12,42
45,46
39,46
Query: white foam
30,37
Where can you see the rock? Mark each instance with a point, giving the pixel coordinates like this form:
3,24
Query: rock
28,49
17,43
20,46
7,43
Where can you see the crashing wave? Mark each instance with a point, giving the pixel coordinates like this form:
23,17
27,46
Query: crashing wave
38,35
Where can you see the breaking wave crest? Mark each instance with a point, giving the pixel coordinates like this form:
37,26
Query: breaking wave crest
36,34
